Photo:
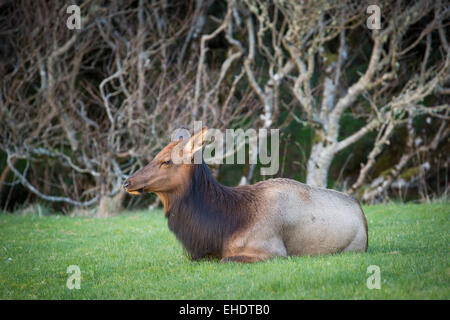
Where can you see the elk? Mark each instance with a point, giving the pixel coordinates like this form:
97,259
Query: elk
272,218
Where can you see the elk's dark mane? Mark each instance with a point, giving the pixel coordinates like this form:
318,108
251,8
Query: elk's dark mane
208,213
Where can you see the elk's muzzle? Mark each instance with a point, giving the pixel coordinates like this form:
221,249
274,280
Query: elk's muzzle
127,188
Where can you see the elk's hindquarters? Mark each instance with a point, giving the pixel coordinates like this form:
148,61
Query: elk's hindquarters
300,220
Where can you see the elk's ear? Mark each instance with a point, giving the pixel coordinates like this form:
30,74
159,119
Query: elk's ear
195,143
180,134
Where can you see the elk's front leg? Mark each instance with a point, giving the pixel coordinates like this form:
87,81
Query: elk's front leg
243,249
243,258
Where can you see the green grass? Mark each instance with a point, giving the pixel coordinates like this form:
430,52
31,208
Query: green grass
134,256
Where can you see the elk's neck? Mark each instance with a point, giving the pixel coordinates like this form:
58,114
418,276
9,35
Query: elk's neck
206,213
202,192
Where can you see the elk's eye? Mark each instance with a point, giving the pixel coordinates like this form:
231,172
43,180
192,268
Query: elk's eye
166,163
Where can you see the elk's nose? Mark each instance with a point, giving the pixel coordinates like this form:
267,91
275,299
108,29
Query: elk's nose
126,185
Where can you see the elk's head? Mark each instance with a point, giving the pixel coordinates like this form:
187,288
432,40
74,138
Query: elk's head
170,170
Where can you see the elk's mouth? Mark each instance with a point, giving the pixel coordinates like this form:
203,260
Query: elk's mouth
136,192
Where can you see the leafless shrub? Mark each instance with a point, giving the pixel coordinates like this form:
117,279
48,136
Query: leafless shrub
83,109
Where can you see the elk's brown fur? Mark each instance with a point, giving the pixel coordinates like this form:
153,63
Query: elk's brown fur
276,217
208,213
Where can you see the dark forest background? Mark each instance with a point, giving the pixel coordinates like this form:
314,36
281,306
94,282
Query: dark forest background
360,110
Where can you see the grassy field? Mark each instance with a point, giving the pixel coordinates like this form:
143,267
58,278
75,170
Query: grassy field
134,256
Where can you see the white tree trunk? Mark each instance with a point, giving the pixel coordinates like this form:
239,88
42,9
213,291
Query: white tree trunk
109,206
318,165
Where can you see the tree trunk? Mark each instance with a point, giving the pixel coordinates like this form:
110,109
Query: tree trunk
109,206
318,165
4,175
